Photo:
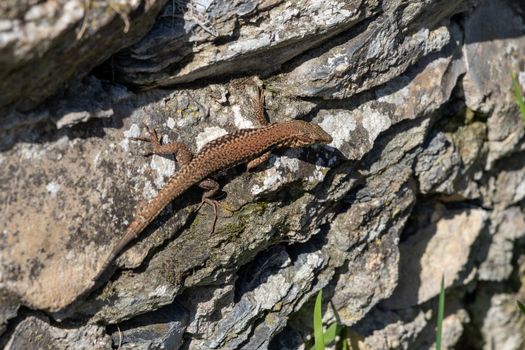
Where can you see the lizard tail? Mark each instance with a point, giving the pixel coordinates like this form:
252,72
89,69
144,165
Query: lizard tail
131,233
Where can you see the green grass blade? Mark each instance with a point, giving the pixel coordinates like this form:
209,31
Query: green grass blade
318,322
521,306
518,95
441,313
345,339
330,333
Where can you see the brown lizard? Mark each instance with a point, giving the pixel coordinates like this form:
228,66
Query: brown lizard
250,146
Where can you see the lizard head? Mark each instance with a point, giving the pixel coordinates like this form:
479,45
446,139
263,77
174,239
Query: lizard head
306,133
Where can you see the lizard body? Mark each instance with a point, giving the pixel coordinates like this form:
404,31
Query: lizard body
251,146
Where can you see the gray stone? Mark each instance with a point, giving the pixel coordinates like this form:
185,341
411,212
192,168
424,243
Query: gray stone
498,319
506,228
423,263
394,330
193,40
162,329
37,333
271,295
366,59
43,45
8,308
495,33
413,327
451,159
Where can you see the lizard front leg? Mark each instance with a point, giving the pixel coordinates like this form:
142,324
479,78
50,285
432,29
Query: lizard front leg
258,161
182,153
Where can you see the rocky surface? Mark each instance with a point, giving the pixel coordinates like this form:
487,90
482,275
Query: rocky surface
424,178
43,44
36,333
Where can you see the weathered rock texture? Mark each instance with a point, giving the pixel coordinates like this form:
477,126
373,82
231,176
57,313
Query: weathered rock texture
425,176
43,44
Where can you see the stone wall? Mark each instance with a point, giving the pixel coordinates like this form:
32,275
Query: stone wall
425,176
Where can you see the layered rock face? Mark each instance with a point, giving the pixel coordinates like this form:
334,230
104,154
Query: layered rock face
425,176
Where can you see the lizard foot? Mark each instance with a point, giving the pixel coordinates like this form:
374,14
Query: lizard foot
182,154
153,139
214,204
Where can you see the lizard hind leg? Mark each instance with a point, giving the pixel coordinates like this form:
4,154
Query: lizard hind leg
182,153
211,188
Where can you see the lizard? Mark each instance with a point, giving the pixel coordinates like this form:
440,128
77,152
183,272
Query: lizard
245,146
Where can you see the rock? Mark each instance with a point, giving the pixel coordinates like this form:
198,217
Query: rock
498,319
393,330
413,327
270,297
507,227
422,262
192,41
502,323
162,329
459,155
347,69
493,29
453,328
45,44
37,333
8,308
